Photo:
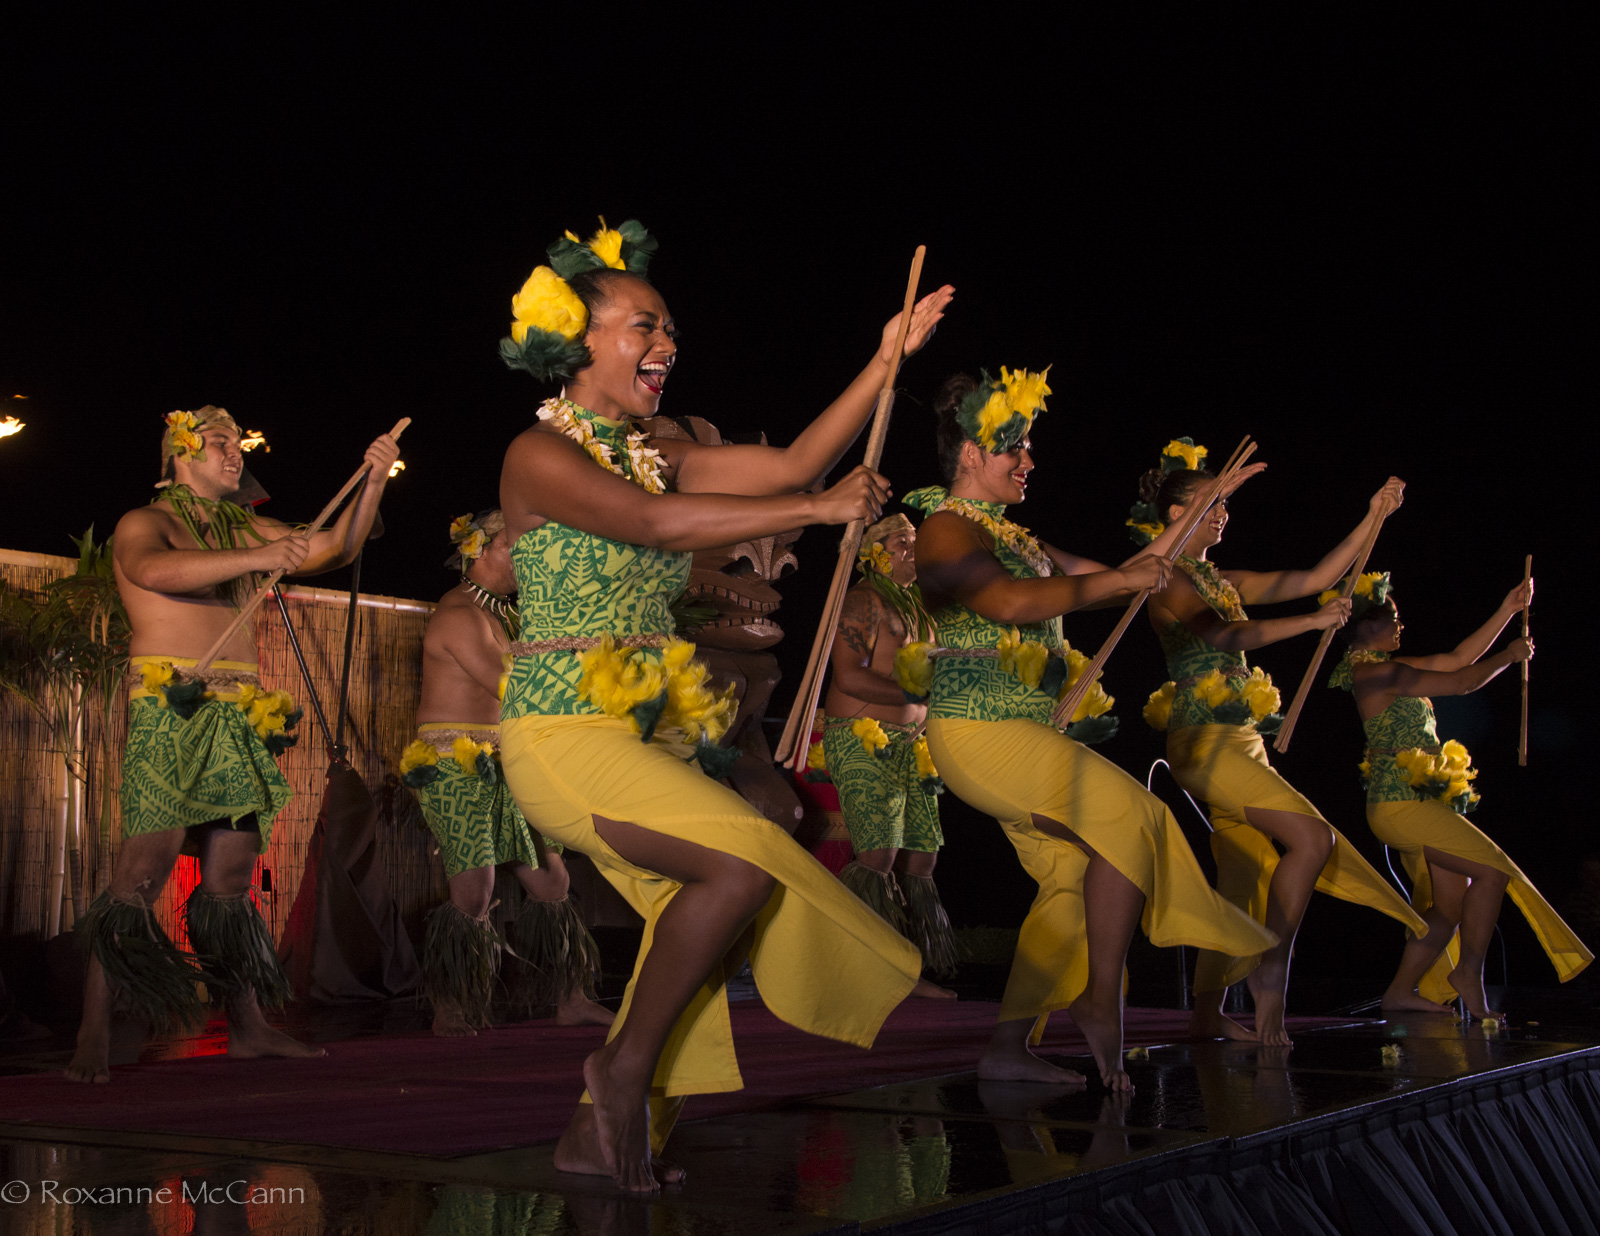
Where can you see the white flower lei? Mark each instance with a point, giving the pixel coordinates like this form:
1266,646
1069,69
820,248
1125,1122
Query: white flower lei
1013,536
644,461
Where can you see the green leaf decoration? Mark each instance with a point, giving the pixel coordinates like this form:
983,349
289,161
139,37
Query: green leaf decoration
716,762
277,743
932,785
638,247
185,697
544,354
569,257
1234,712
648,713
1092,730
293,718
1054,676
913,699
422,775
488,769
687,613
1269,724
1144,513
1463,805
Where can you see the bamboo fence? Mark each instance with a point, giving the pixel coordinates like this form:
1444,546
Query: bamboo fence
385,680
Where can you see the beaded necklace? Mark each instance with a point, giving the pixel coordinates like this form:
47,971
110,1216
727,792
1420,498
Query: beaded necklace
577,423
491,602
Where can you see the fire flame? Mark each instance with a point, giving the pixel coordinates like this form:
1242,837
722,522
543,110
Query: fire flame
397,467
11,425
252,439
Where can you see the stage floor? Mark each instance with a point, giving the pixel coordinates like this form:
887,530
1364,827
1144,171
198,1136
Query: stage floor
396,1132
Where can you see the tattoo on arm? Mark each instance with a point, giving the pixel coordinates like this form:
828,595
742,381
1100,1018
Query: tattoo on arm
858,622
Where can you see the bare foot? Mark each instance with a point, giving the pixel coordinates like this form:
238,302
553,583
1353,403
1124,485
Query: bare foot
925,990
578,1010
1009,1063
449,1022
1101,1024
253,1040
614,1138
1411,1002
1470,985
1266,986
1210,1023
91,1063
667,1173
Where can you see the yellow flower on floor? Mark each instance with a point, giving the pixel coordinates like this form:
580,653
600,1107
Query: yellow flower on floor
925,769
870,733
155,674
1258,691
419,753
1192,456
545,302
1158,708
913,668
466,753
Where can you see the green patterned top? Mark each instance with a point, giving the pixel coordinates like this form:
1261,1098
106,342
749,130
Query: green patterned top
976,688
1189,656
575,583
1408,722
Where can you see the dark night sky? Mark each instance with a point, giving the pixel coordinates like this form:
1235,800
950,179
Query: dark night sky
1358,243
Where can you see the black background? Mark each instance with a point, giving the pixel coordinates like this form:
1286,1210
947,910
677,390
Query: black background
1358,240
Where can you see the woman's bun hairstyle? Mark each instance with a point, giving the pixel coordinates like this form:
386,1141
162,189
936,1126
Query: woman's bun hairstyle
948,434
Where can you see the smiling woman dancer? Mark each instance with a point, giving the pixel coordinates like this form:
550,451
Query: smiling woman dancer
1417,791
602,527
1106,853
1215,712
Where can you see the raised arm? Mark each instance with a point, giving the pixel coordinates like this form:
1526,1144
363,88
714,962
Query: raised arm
1270,587
547,476
1397,677
955,562
1179,602
145,557
1476,644
745,469
851,657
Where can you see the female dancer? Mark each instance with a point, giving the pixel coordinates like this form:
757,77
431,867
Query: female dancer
1105,852
600,551
1215,750
1416,791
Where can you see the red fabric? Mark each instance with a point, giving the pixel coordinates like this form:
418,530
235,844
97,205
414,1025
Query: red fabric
507,1087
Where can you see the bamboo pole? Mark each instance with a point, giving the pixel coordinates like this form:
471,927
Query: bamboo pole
805,700
1286,730
267,585
1522,742
1062,714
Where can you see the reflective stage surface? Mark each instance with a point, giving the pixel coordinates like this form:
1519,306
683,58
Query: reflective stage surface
876,1158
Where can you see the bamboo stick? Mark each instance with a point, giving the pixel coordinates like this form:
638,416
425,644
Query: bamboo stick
1522,742
805,700
1286,730
1062,715
267,585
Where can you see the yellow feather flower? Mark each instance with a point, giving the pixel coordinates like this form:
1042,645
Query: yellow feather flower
1258,691
1364,587
466,753
1365,769
995,412
460,526
616,681
1213,690
913,668
816,758
607,245
1150,530
1095,701
1024,390
925,769
692,706
1024,658
870,733
155,674
1158,708
547,303
416,755
1192,456
875,557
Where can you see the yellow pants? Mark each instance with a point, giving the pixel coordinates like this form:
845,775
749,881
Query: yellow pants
1014,770
1225,767
823,961
1409,827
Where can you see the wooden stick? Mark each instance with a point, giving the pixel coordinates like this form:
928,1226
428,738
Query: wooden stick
1522,743
1286,730
805,700
1062,714
267,585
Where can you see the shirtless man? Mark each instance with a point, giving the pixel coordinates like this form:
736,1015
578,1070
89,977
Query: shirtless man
472,815
887,794
198,774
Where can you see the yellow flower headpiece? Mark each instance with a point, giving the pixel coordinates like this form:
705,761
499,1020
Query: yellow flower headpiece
1371,592
998,415
548,319
1144,522
471,535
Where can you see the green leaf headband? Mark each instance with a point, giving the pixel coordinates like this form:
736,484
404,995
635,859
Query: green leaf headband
1180,455
998,415
548,319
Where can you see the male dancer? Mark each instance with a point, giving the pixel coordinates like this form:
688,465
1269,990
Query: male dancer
455,768
198,774
872,739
